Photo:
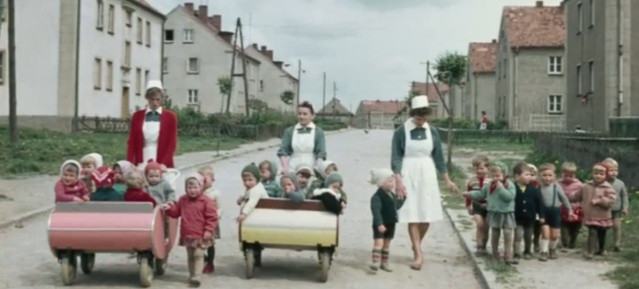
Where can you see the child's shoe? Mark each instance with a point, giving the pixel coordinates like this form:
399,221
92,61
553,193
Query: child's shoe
373,267
543,256
385,267
553,255
588,256
194,281
528,256
616,249
208,268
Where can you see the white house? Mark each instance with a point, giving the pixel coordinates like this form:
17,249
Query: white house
82,58
274,79
196,54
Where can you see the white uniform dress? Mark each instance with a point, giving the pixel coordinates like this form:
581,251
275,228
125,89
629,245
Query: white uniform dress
303,145
151,131
423,199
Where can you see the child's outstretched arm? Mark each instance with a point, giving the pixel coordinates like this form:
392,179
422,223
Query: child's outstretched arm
249,206
172,210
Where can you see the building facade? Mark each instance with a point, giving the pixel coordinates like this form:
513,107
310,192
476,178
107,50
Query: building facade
273,79
82,58
380,114
530,83
602,62
480,86
335,110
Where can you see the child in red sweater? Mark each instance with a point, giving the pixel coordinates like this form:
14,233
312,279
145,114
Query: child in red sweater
199,219
69,188
479,208
135,192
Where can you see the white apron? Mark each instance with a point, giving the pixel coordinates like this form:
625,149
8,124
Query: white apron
151,131
303,145
423,201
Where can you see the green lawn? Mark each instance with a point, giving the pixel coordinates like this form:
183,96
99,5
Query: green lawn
41,151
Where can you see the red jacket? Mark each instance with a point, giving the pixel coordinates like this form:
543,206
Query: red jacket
64,193
198,216
138,195
167,141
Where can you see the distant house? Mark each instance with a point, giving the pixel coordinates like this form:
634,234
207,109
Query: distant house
480,86
419,88
273,79
381,114
530,82
335,110
602,57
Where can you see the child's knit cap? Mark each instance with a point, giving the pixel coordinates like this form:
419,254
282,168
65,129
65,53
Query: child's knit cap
293,178
152,166
253,170
379,176
502,166
332,178
199,178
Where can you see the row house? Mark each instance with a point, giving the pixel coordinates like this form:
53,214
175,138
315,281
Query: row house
479,94
602,62
530,83
273,79
197,54
81,58
380,114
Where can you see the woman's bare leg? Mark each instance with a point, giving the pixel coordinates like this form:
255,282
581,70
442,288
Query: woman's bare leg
415,238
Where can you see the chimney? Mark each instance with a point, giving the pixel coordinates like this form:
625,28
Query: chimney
263,50
494,41
216,21
227,36
255,46
279,63
203,13
189,7
539,4
269,54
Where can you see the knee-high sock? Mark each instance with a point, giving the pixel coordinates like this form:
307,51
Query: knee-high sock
508,244
376,255
385,254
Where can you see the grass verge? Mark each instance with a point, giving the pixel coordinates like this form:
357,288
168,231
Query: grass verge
626,273
42,152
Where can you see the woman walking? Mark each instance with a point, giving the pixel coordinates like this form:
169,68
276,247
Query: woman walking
303,144
416,159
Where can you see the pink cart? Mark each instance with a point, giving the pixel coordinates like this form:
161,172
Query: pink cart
83,229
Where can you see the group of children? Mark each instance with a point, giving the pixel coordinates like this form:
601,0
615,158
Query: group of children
532,212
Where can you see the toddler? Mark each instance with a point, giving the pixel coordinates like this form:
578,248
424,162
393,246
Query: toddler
291,188
268,173
89,164
570,225
620,206
120,169
104,179
69,188
384,206
305,177
135,192
332,196
209,178
529,208
478,208
197,226
254,190
553,196
157,187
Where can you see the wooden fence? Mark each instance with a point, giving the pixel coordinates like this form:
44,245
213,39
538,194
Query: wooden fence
463,136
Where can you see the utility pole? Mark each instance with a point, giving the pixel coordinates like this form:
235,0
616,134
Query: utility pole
324,92
299,79
427,63
13,120
238,32
334,97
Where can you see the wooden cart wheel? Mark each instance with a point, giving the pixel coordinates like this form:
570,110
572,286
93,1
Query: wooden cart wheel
68,269
249,255
87,261
146,271
160,266
325,263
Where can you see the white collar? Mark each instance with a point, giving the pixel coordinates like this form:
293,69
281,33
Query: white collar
159,110
310,125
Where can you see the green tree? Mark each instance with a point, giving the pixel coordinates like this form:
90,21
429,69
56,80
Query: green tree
287,97
225,85
451,68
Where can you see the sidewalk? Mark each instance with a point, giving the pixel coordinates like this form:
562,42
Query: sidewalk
30,197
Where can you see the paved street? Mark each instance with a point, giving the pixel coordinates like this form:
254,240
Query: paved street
28,263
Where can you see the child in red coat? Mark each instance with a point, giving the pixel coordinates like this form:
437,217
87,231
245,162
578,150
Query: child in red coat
135,192
69,188
199,219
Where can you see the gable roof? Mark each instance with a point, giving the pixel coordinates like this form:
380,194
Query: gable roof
433,97
534,26
381,106
255,53
148,7
482,57
334,107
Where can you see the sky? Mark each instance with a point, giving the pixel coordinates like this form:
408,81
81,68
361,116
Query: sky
370,49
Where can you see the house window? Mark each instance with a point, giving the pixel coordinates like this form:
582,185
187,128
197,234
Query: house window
140,30
127,54
165,65
193,65
505,68
193,99
554,65
97,74
168,35
148,34
592,13
580,14
579,81
111,18
138,81
188,35
591,72
146,77
129,17
1,67
100,24
261,85
109,80
554,104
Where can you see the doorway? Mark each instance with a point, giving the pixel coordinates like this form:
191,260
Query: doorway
125,102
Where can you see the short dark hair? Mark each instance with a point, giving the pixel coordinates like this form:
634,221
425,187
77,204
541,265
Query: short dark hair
483,112
421,111
520,168
308,105
154,91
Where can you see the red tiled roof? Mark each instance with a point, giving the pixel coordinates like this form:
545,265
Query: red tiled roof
382,106
433,97
534,26
482,57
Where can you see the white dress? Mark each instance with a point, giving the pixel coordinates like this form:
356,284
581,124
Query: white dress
303,145
423,199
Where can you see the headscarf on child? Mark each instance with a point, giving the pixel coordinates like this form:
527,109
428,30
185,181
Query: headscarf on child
98,159
125,166
296,195
70,162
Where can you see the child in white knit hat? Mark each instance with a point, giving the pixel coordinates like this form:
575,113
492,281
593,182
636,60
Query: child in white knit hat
384,206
